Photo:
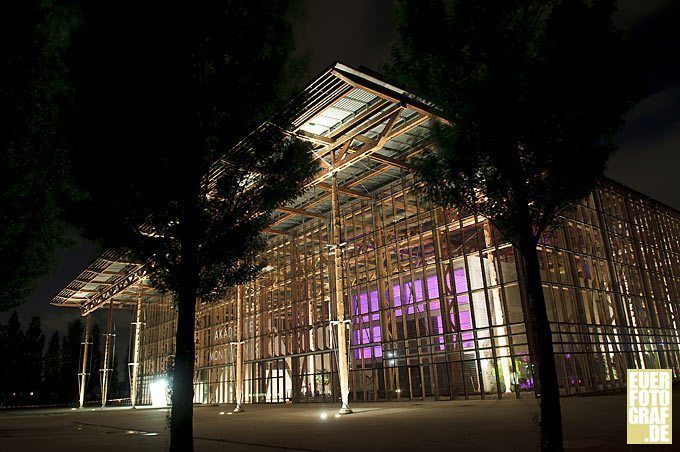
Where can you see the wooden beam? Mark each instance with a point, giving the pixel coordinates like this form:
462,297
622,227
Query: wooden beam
343,190
384,167
320,139
381,117
379,170
383,95
113,289
274,231
339,298
338,93
391,161
360,118
240,301
364,139
301,212
389,126
346,157
341,153
390,132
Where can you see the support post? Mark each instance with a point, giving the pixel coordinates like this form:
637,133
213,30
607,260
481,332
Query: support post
134,380
83,368
647,291
383,270
106,370
504,362
240,299
623,322
343,355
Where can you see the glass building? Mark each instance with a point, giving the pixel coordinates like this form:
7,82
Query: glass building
431,299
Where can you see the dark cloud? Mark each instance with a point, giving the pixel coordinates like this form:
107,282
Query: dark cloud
648,157
649,144
355,32
632,12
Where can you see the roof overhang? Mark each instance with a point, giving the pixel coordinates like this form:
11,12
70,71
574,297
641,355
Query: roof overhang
110,277
361,128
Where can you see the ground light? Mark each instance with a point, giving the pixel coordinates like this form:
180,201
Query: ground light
159,393
323,415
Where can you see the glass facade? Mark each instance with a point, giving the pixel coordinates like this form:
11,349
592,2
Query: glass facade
436,305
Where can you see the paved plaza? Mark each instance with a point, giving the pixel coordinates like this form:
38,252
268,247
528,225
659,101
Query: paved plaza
596,423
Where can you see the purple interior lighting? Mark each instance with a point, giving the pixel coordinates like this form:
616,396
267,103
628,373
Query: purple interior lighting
411,295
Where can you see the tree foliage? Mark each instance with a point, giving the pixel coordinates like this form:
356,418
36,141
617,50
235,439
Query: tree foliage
34,171
70,359
93,386
52,370
11,351
185,85
32,356
533,91
35,374
186,82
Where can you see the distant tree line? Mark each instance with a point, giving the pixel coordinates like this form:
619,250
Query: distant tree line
36,373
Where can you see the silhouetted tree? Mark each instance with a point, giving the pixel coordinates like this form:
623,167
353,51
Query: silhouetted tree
167,92
95,364
70,359
124,380
4,370
13,364
34,170
32,356
533,92
52,370
115,383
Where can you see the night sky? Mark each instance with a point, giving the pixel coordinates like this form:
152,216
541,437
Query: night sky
359,33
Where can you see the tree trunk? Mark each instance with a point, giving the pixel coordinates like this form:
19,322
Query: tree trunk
551,416
181,422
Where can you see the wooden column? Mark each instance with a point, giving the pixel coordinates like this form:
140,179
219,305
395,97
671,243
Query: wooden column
106,370
311,321
385,298
620,312
134,380
447,305
589,375
83,368
240,299
650,302
338,289
504,362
